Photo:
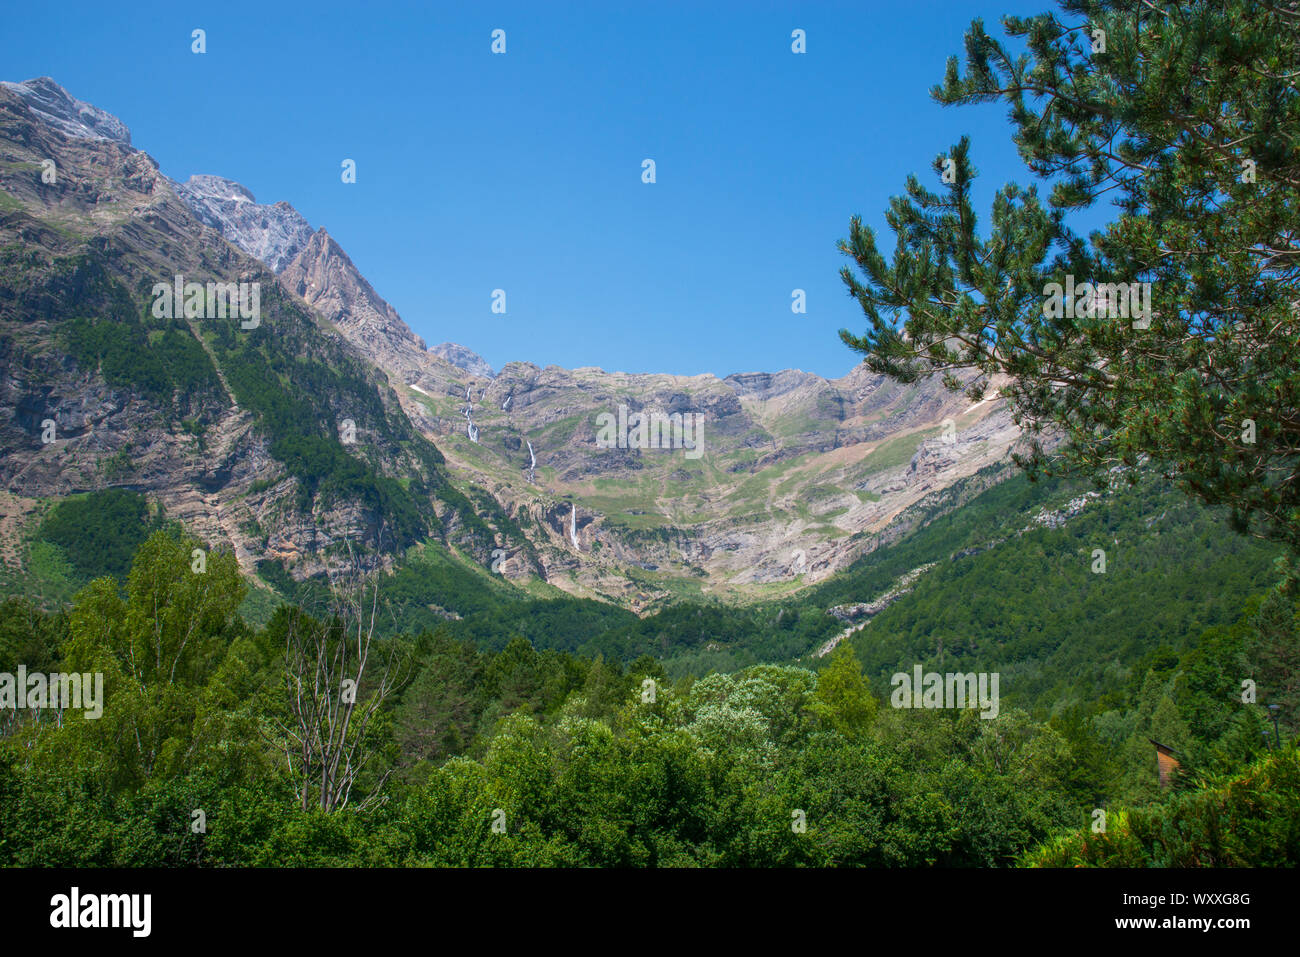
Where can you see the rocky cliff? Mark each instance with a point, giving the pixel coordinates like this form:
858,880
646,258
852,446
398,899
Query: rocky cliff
275,234
272,436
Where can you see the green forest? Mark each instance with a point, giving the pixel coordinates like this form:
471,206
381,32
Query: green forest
528,751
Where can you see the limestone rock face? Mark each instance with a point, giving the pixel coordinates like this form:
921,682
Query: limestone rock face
324,276
275,234
60,110
463,358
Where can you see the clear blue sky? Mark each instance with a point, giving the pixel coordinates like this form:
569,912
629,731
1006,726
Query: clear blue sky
523,171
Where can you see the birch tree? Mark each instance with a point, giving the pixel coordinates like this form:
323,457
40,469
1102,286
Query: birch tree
340,673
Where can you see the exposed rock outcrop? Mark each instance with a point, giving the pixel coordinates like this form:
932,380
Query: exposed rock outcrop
463,358
275,234
62,111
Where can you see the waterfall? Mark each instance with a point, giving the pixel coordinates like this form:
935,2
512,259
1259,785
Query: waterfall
532,465
505,406
470,428
573,526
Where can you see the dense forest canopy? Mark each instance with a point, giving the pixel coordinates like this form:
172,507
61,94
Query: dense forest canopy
532,756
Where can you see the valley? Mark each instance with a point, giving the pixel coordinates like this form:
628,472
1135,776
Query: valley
729,544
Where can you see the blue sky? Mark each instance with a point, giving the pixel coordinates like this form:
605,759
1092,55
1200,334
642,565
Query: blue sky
522,171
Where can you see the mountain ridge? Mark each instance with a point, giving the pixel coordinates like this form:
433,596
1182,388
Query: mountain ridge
794,478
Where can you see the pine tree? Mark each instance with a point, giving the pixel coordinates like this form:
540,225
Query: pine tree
1184,115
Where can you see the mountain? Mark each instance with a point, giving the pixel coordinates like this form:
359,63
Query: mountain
326,279
274,234
57,108
758,484
273,436
802,476
791,484
463,358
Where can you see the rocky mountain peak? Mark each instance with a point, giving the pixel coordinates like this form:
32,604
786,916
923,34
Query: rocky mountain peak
67,114
325,276
274,233
220,189
463,358
769,385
